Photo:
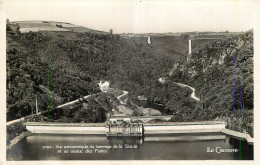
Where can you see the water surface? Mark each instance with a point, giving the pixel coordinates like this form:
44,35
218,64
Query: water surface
160,147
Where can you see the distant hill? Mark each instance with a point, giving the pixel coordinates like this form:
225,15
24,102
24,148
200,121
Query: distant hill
35,26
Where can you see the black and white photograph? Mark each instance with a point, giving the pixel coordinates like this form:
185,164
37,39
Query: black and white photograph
129,80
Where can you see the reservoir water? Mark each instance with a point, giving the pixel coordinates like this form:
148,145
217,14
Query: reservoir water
160,147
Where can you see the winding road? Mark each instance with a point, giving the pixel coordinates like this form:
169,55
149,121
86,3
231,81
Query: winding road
119,97
193,95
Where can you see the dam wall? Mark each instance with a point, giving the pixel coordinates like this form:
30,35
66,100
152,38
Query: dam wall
183,127
101,128
144,129
67,130
245,136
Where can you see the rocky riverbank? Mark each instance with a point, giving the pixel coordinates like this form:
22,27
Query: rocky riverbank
18,138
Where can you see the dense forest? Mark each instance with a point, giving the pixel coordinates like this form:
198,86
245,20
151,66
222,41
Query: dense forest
57,67
222,73
62,66
30,75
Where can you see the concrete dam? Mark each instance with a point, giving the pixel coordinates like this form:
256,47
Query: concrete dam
124,126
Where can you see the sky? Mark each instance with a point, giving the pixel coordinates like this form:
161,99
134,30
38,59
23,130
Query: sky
139,16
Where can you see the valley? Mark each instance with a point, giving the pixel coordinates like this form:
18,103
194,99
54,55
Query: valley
56,63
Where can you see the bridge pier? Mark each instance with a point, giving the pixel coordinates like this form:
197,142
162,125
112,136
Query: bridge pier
189,46
149,40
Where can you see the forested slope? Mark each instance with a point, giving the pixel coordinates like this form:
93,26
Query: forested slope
222,73
60,66
53,81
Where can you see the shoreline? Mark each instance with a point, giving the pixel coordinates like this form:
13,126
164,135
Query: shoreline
18,138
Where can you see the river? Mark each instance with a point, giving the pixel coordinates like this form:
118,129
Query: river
166,147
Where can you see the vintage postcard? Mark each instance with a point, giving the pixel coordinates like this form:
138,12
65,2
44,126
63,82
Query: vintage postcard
129,80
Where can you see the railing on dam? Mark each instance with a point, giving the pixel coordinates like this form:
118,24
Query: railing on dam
186,123
65,124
